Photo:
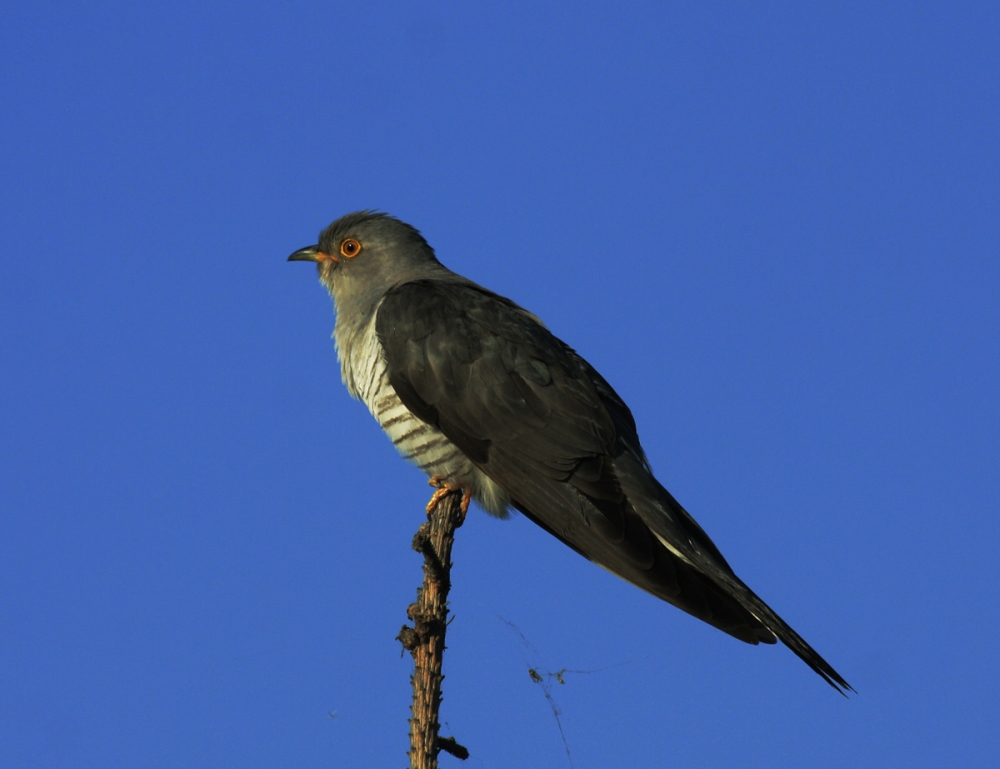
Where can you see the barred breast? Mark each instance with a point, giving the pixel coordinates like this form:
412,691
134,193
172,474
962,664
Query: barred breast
363,369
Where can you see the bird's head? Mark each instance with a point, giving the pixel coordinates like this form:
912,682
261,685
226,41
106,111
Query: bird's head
363,255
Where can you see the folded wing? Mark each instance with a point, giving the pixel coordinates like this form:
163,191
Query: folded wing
545,426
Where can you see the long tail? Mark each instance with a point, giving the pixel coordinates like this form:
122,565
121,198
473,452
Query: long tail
769,618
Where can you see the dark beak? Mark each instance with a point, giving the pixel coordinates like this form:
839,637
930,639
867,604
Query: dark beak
307,254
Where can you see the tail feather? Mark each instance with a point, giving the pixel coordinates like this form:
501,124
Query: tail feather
770,619
679,533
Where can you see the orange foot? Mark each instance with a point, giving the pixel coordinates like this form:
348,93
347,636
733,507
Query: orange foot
443,490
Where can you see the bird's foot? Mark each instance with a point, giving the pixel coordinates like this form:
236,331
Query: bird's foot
437,496
443,490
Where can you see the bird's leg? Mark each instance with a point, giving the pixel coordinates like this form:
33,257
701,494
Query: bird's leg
444,489
437,496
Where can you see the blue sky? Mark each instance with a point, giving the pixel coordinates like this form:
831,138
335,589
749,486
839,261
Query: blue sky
773,228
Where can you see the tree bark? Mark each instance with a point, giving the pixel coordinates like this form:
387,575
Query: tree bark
425,639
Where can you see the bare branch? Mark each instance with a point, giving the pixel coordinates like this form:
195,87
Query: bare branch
425,639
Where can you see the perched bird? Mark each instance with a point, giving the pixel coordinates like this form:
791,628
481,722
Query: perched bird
484,398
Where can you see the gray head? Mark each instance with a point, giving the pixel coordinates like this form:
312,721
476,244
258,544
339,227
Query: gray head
362,255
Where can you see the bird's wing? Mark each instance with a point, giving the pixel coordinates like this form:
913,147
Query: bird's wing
520,405
544,425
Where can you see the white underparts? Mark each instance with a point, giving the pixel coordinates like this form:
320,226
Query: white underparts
364,374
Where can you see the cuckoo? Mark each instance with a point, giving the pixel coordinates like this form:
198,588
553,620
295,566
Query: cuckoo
479,394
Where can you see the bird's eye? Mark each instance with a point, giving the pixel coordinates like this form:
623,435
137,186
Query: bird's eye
350,247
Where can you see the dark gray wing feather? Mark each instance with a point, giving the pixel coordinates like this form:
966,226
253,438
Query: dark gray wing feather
544,425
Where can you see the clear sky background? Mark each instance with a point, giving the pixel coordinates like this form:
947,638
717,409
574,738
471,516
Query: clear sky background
773,228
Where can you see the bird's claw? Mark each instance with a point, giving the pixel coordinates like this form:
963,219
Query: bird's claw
437,496
443,490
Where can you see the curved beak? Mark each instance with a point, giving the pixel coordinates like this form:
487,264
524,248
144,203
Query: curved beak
307,254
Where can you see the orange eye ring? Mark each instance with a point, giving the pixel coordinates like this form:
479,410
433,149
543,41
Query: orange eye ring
350,248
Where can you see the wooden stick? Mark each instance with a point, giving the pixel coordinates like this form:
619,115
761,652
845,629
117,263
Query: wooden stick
425,640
